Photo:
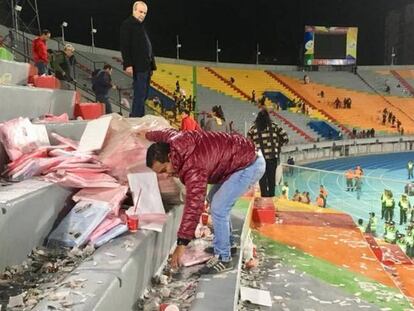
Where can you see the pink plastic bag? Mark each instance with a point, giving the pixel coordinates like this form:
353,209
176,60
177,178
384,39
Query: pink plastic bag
113,196
18,137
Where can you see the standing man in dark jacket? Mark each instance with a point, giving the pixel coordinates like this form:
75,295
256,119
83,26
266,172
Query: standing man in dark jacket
198,158
101,84
138,56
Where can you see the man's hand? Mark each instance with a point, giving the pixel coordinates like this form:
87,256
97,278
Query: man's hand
129,70
176,256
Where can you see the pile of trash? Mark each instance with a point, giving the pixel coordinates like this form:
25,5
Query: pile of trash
114,187
23,286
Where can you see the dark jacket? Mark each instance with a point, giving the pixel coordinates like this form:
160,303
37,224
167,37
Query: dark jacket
101,83
270,141
202,158
135,48
62,65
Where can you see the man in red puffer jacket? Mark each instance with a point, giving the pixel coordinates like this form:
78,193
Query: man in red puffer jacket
229,162
39,51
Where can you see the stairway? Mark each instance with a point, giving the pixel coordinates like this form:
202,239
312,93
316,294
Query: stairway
403,82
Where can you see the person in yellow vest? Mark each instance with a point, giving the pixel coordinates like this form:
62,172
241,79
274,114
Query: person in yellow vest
324,193
405,206
390,233
410,169
409,239
401,242
372,224
384,196
349,176
285,191
389,206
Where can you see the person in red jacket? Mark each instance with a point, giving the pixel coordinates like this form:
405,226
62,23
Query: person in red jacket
187,122
229,162
39,51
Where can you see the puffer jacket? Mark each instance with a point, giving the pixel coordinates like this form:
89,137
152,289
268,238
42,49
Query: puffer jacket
202,158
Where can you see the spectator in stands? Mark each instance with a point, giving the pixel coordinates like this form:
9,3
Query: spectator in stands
269,138
216,122
390,115
398,125
177,86
229,162
62,63
354,132
306,79
402,131
232,80
39,52
137,55
337,103
187,122
101,84
157,102
253,98
372,132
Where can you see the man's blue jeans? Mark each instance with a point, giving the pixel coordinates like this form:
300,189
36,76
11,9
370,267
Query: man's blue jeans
222,198
141,86
41,68
104,99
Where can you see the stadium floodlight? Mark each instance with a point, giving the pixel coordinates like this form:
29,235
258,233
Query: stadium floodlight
93,32
178,46
18,8
258,53
62,27
218,50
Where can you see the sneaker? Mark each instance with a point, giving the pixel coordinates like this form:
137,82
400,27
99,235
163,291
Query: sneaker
210,250
215,265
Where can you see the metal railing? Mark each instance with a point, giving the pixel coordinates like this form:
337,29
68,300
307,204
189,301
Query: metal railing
22,46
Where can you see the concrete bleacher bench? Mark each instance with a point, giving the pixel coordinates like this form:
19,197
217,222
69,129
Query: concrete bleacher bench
29,209
19,100
14,73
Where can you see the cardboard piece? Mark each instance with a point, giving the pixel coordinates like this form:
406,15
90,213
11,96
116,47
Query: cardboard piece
256,296
94,135
150,201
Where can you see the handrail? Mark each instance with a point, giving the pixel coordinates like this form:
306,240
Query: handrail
26,54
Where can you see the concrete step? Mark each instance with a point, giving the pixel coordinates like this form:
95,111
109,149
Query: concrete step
22,101
13,73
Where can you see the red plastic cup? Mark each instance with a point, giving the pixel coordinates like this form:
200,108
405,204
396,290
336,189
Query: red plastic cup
168,307
204,219
133,223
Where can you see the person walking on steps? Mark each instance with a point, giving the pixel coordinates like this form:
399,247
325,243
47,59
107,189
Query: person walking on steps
101,84
230,163
39,52
137,55
269,138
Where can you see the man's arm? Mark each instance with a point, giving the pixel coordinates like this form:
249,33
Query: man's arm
196,187
125,43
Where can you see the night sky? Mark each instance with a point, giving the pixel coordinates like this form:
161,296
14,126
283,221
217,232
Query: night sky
278,25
